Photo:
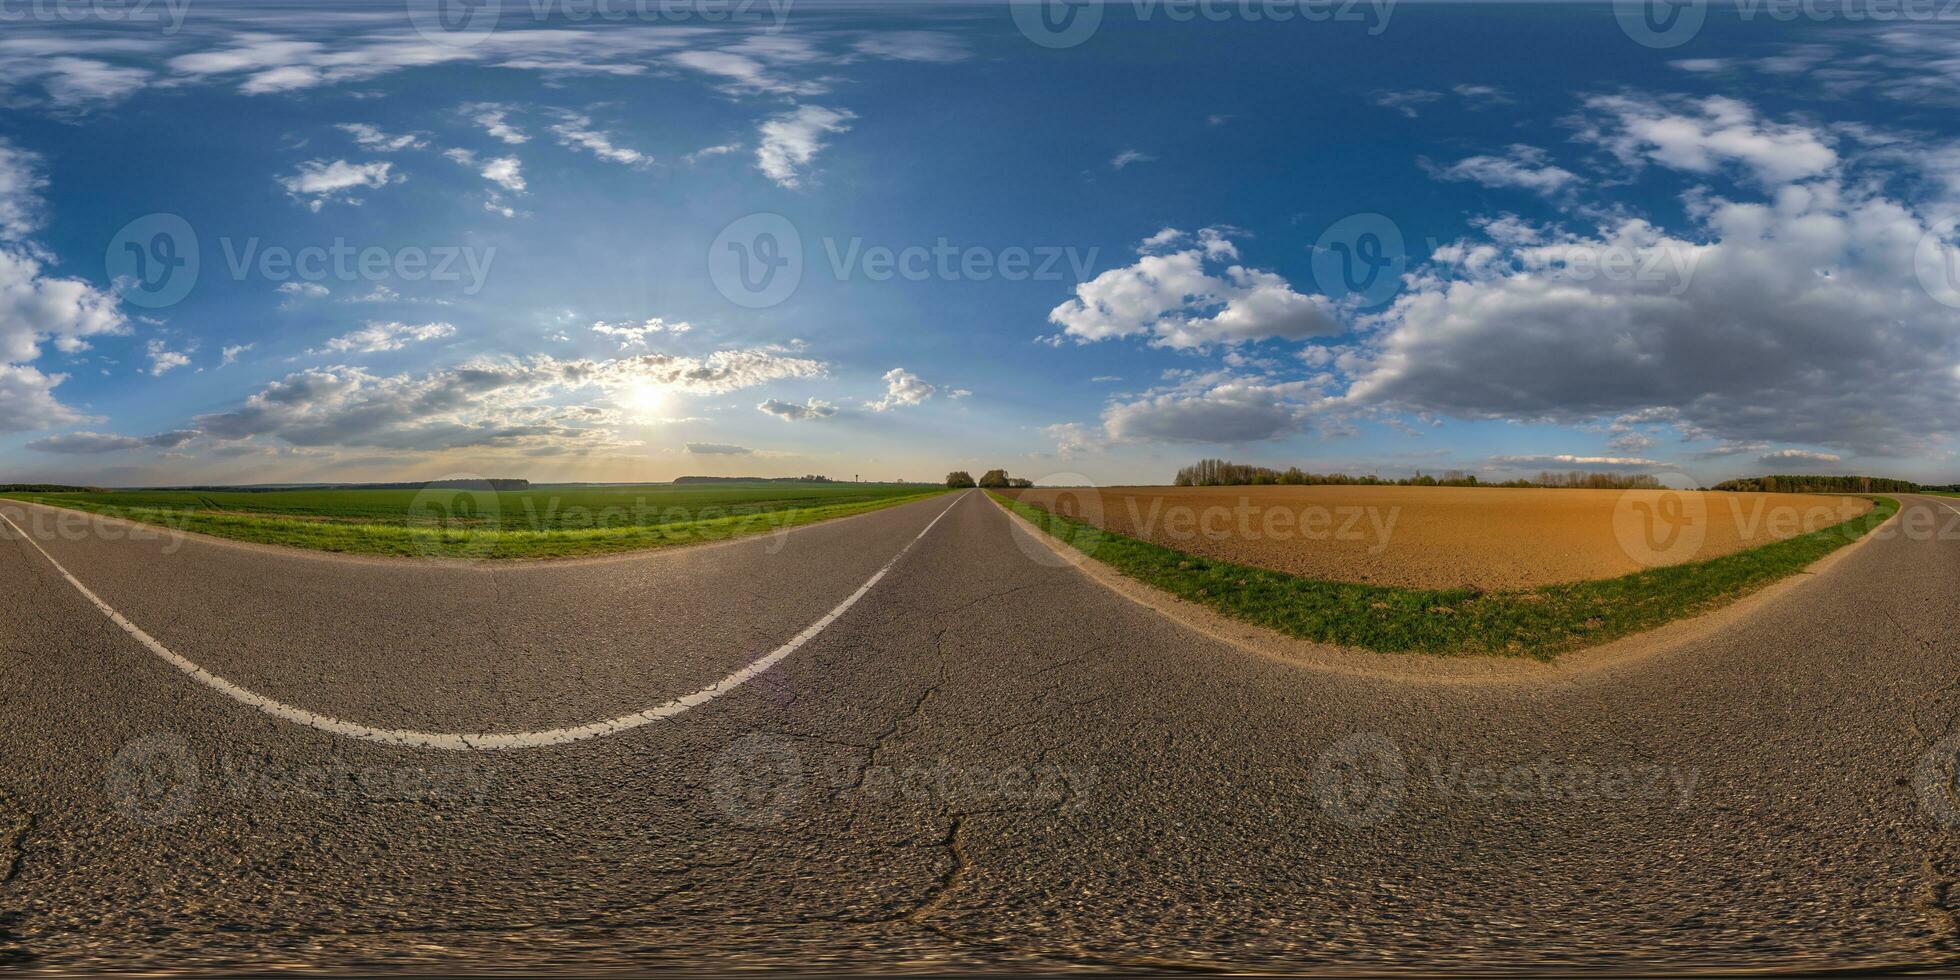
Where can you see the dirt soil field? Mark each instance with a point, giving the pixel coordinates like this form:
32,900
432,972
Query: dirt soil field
1443,537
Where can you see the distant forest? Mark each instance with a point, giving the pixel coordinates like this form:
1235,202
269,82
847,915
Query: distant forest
44,488
1223,473
1817,484
812,478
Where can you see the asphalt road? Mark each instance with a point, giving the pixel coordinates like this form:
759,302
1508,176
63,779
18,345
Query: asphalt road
989,759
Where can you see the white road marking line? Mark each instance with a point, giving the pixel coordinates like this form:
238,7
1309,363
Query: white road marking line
489,741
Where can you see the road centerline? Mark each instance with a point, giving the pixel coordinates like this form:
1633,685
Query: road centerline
488,741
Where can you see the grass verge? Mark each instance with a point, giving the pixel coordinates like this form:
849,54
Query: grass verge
1542,622
471,542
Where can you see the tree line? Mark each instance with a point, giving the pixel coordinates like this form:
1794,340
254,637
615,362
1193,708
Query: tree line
992,480
1817,484
1224,473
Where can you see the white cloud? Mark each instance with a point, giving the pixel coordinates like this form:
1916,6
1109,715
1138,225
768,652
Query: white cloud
630,334
35,308
505,172
792,412
1172,298
1797,457
718,449
1567,460
1405,102
91,443
1796,319
902,388
510,403
1702,135
791,140
1222,410
231,352
321,181
494,118
27,400
371,138
162,359
576,131
914,46
378,337
1128,157
21,184
712,151
1522,167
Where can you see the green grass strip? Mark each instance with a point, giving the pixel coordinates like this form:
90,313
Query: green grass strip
472,543
1541,623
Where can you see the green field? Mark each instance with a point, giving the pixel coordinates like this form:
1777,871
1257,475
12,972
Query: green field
1542,622
539,522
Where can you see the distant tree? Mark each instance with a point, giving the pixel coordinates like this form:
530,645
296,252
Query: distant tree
959,479
1018,483
994,479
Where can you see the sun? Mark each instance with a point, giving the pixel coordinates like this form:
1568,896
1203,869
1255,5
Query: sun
644,400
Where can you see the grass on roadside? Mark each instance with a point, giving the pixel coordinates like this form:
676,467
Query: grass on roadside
463,539
1542,622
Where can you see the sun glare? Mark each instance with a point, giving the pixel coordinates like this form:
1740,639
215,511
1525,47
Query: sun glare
644,400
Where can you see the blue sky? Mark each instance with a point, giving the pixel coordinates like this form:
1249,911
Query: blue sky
1368,237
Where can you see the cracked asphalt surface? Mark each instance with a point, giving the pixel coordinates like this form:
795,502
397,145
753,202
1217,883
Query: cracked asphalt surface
990,761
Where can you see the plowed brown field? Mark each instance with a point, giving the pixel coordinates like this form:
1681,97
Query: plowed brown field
1441,537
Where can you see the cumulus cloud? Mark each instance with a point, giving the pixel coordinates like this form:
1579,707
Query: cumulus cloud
37,308
378,337
576,131
510,403
163,359
1804,315
792,412
1703,135
231,352
631,334
902,388
791,140
505,172
1522,166
27,401
1192,297
320,181
1227,410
